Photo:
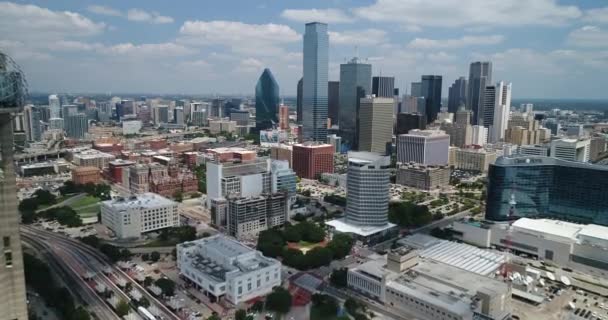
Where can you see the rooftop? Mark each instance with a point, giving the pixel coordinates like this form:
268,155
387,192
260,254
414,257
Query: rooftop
568,231
342,226
92,154
144,200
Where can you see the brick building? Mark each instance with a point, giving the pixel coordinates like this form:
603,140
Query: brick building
83,175
310,160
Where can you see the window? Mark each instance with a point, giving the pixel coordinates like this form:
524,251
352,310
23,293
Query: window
549,254
8,259
240,290
6,241
259,283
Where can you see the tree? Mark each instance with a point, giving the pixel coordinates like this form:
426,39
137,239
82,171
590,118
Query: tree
166,285
292,234
340,245
338,277
28,205
122,308
240,315
45,197
178,196
271,243
80,314
318,256
214,316
326,306
144,302
148,281
91,240
279,300
154,256
258,306
145,257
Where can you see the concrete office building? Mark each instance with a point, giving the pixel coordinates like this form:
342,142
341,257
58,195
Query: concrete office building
457,94
463,116
573,130
423,177
221,267
310,160
92,158
383,87
160,114
355,83
76,126
335,141
427,147
178,115
283,179
199,118
56,124
375,124
282,152
597,146
241,179
410,121
411,104
222,125
241,117
32,117
248,216
283,117
431,91
480,76
131,127
416,89
55,106
460,134
314,84
477,160
84,175
534,150
571,149
496,108
479,135
333,101
130,217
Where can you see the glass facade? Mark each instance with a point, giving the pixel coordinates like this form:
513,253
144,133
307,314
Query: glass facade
314,84
543,187
367,186
266,101
431,91
355,83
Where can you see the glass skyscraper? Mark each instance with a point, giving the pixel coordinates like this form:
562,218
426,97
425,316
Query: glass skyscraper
480,76
314,85
431,91
367,186
535,186
355,83
266,101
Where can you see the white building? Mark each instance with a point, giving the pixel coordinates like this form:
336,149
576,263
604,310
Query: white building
131,127
241,179
92,158
496,109
130,217
428,147
571,149
222,267
480,135
55,106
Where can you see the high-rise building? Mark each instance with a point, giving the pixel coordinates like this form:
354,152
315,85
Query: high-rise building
597,147
410,121
423,177
314,85
217,108
199,118
416,89
457,94
242,117
480,76
248,216
367,186
547,187
571,149
283,178
496,108
375,124
383,87
266,101
355,83
479,135
462,116
333,101
13,303
283,117
335,141
55,106
300,92
178,115
431,91
310,160
76,126
33,129
472,159
428,147
460,134
161,114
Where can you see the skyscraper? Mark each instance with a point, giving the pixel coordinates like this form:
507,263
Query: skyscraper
355,83
384,87
376,124
54,106
333,101
314,85
283,117
428,147
431,91
480,76
367,186
299,100
266,101
76,125
33,130
410,121
457,94
496,107
12,295
178,115
416,90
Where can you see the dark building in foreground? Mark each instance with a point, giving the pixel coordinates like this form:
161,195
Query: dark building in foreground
549,188
410,121
383,87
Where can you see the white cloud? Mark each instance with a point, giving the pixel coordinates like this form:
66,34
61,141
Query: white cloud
465,41
149,49
250,65
140,15
21,52
234,33
103,10
33,23
597,15
459,13
588,36
320,15
68,45
365,37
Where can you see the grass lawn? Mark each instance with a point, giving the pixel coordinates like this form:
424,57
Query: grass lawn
307,245
86,206
162,243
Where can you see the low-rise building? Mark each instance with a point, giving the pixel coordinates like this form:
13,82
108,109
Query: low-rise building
130,217
470,159
92,158
219,126
84,175
423,177
221,267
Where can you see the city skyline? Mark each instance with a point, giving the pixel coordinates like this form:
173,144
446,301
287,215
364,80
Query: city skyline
156,47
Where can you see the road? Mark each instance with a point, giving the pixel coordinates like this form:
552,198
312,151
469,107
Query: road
442,223
89,259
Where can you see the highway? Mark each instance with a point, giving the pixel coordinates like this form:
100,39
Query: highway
85,258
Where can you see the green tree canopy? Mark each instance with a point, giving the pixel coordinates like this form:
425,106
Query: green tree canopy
279,300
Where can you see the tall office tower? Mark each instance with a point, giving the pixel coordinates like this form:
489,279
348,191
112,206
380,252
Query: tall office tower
376,124
479,135
56,123
128,107
266,101
571,149
300,92
547,187
178,115
283,117
410,121
217,108
457,94
12,295
161,114
76,126
104,111
526,108
310,160
54,106
383,87
355,83
496,109
144,114
460,134
242,117
431,91
314,85
463,116
33,129
367,186
480,76
416,89
428,147
333,101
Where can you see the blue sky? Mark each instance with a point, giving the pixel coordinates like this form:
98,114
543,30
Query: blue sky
547,48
